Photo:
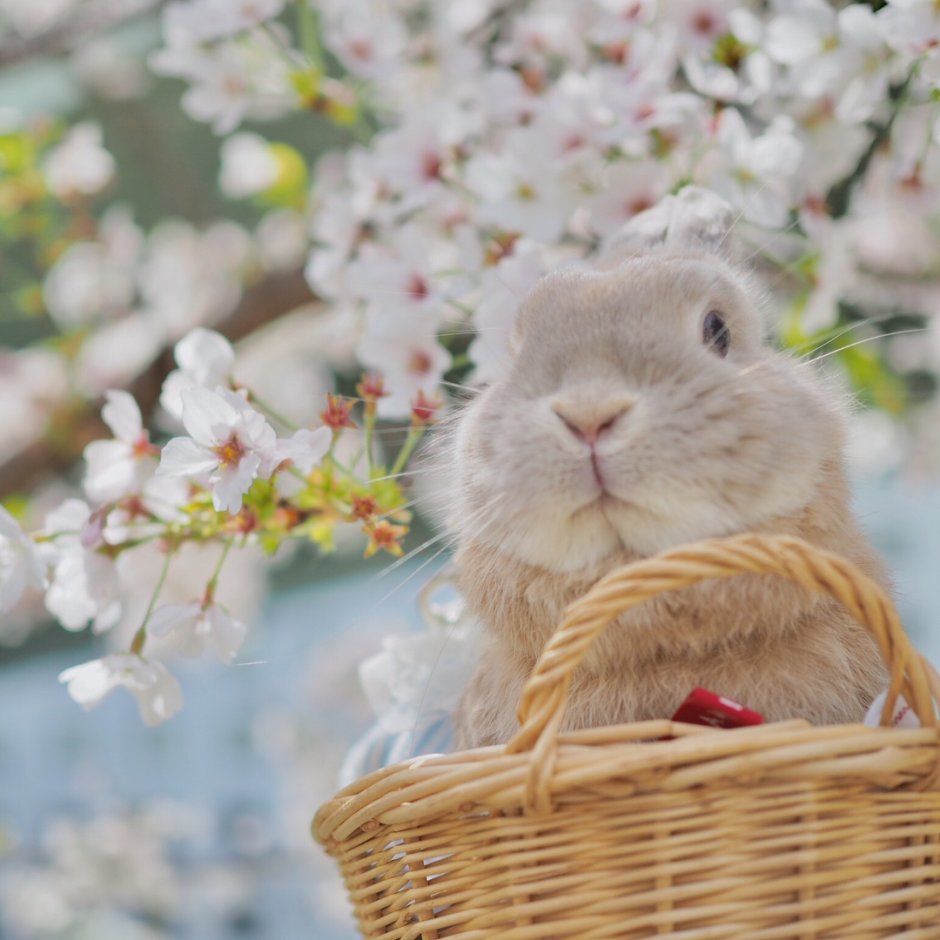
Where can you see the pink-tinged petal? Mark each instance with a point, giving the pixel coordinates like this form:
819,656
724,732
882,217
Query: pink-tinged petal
174,385
204,411
230,483
226,634
90,682
107,617
206,355
68,599
305,448
13,580
20,564
184,457
158,694
122,415
102,453
162,699
167,617
238,400
112,470
70,516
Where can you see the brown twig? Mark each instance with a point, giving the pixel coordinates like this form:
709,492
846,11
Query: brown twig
273,297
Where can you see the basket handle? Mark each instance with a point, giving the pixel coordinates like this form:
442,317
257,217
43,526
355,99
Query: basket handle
544,699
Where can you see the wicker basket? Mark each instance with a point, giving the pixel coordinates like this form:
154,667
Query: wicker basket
777,832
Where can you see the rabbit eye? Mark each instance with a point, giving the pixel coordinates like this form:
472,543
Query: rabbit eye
715,333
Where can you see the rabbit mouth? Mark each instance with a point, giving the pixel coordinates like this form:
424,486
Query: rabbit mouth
605,503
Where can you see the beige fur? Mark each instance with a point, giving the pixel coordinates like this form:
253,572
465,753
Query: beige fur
699,446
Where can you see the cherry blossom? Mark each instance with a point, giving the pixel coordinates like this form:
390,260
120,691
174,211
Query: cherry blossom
230,445
911,26
147,512
158,694
410,359
840,54
93,280
500,289
626,188
755,174
84,584
519,194
79,165
20,566
119,467
736,67
205,359
242,78
405,277
369,46
304,449
249,166
199,626
190,277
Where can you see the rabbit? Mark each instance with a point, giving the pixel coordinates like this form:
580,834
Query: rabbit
643,409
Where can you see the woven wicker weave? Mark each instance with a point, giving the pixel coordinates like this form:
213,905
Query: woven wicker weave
776,832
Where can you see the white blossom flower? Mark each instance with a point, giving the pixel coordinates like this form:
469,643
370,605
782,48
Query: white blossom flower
412,159
249,166
836,54
117,353
337,228
405,276
158,694
520,193
911,26
247,77
736,67
230,445
205,359
756,174
198,626
304,448
370,46
627,188
20,565
84,584
146,512
282,240
699,22
191,278
501,289
34,381
79,165
409,357
95,280
120,466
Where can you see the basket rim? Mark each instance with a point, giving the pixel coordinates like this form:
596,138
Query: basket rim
418,789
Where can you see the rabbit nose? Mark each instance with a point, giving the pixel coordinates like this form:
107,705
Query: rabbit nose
587,421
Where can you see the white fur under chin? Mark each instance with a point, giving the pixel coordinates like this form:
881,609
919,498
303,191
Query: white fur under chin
567,542
563,544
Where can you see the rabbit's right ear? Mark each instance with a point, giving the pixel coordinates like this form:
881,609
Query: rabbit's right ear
693,218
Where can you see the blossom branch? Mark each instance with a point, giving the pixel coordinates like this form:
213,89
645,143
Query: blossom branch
273,297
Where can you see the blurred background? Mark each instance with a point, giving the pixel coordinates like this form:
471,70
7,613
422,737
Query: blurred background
140,198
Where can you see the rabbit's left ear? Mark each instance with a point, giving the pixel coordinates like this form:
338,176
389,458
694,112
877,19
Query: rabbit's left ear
693,218
700,219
